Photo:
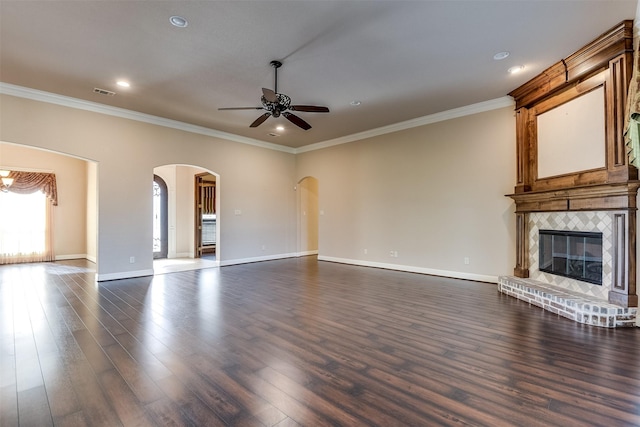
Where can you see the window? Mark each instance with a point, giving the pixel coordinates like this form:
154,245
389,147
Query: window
24,228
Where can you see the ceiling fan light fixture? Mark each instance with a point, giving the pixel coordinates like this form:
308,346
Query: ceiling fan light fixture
178,21
278,104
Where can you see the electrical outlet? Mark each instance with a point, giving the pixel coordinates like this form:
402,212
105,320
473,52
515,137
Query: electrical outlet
237,212
132,259
466,260
366,251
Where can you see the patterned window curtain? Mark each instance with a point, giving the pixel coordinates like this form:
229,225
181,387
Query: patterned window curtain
632,114
29,183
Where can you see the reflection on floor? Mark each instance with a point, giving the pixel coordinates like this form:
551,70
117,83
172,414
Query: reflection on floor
172,265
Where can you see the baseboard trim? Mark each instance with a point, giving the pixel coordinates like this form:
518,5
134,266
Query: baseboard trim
123,275
266,258
307,253
413,269
71,256
256,259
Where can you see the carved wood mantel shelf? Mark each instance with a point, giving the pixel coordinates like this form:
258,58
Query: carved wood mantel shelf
614,196
603,67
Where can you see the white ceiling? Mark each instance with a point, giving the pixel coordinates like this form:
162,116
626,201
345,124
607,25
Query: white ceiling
401,59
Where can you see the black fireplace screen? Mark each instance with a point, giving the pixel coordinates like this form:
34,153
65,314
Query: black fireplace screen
573,254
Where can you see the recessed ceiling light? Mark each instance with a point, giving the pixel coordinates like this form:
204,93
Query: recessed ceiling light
279,127
516,69
500,55
355,103
123,83
178,21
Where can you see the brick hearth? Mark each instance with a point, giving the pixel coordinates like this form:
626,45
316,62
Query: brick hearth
566,303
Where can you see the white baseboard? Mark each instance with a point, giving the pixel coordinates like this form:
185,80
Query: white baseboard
256,259
123,275
266,258
307,253
71,256
413,269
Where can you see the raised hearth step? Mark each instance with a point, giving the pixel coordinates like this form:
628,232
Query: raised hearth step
572,305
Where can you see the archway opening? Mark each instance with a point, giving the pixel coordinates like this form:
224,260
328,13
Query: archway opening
308,220
182,219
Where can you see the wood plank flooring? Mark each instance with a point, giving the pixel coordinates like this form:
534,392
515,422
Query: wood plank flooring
298,342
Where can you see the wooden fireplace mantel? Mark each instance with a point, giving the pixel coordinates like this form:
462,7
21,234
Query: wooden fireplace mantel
596,197
605,65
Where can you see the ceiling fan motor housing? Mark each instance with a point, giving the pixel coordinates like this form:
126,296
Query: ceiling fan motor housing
275,108
277,104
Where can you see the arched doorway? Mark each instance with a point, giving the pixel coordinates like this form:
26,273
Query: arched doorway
308,222
182,215
160,218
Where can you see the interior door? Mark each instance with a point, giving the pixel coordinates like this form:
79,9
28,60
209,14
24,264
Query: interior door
205,215
160,218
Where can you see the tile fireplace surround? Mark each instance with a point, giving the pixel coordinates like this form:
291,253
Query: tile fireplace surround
579,301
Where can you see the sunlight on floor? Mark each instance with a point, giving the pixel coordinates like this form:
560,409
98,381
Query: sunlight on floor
172,265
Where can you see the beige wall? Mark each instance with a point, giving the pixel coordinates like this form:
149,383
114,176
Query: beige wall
70,216
308,212
92,211
255,180
433,194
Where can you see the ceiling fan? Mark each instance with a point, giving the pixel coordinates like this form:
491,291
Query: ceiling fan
277,104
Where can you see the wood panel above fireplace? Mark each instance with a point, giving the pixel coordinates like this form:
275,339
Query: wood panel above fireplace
602,69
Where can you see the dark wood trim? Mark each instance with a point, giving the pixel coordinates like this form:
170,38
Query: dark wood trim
199,184
523,180
591,59
599,197
522,245
604,63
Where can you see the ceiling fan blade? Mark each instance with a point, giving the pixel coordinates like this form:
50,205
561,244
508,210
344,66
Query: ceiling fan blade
269,95
309,108
259,120
241,108
296,120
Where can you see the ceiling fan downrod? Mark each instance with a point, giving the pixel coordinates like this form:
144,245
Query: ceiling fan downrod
276,65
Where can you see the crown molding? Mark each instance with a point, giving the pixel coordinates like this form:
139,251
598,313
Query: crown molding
66,101
480,107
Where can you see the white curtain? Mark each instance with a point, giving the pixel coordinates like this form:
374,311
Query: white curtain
25,228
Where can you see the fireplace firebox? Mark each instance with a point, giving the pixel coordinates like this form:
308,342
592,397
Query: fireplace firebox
573,254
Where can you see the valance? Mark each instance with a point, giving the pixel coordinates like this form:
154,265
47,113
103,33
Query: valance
30,182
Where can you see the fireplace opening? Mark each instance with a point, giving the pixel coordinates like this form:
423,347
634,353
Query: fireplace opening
573,254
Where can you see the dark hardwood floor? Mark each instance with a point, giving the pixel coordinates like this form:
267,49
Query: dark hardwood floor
299,342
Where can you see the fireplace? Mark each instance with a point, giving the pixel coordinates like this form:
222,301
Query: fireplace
580,224
573,254
555,192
